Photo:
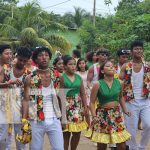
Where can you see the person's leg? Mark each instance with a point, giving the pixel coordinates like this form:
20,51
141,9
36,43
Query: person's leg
121,146
75,140
144,114
131,124
54,132
139,124
66,136
101,146
38,131
3,136
17,130
9,140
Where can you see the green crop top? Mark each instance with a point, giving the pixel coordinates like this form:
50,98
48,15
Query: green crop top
106,94
73,88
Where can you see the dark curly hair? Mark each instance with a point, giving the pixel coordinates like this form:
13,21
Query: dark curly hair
136,43
24,52
3,47
39,50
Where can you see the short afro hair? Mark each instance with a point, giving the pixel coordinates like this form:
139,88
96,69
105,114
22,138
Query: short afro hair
24,52
77,53
39,50
3,47
136,43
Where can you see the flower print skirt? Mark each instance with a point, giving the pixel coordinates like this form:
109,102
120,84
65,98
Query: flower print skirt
74,113
108,126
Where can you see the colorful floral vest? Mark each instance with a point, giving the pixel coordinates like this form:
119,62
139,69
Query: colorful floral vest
7,69
127,88
36,97
116,75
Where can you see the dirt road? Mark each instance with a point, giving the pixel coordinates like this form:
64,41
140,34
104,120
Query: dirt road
85,144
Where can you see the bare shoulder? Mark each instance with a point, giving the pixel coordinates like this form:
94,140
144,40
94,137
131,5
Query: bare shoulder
124,66
91,69
96,85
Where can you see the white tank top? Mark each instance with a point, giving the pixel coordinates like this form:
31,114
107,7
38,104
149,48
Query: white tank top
95,74
48,107
16,99
137,82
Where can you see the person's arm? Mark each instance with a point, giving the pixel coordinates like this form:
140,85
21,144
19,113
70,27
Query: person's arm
25,103
93,98
62,99
123,103
7,83
90,77
83,95
122,72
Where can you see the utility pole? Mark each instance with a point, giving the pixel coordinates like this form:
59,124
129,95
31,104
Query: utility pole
94,12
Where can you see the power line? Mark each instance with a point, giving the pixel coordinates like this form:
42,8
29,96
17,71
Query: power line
57,4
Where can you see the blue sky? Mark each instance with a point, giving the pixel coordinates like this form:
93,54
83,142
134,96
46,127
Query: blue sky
62,6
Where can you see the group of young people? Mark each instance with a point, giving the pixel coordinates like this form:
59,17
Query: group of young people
103,98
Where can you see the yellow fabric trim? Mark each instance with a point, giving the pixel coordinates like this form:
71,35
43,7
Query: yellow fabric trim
114,138
76,127
88,133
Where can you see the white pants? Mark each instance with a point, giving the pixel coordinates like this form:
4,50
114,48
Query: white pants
52,127
19,145
138,108
3,136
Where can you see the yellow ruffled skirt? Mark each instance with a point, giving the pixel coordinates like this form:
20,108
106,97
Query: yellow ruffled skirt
76,127
118,137
108,127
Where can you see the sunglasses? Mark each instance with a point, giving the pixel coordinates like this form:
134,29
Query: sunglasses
125,51
104,54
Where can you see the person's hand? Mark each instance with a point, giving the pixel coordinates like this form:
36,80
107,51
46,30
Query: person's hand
127,113
94,120
18,82
26,132
86,111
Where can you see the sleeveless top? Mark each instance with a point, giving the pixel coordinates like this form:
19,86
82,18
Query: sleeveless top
106,94
128,93
72,88
96,72
138,83
36,98
16,99
84,77
48,107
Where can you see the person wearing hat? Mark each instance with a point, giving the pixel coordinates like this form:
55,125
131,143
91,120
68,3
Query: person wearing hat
93,73
135,76
123,56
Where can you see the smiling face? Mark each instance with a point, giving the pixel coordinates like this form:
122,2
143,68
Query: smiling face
102,57
137,52
6,56
123,59
43,59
